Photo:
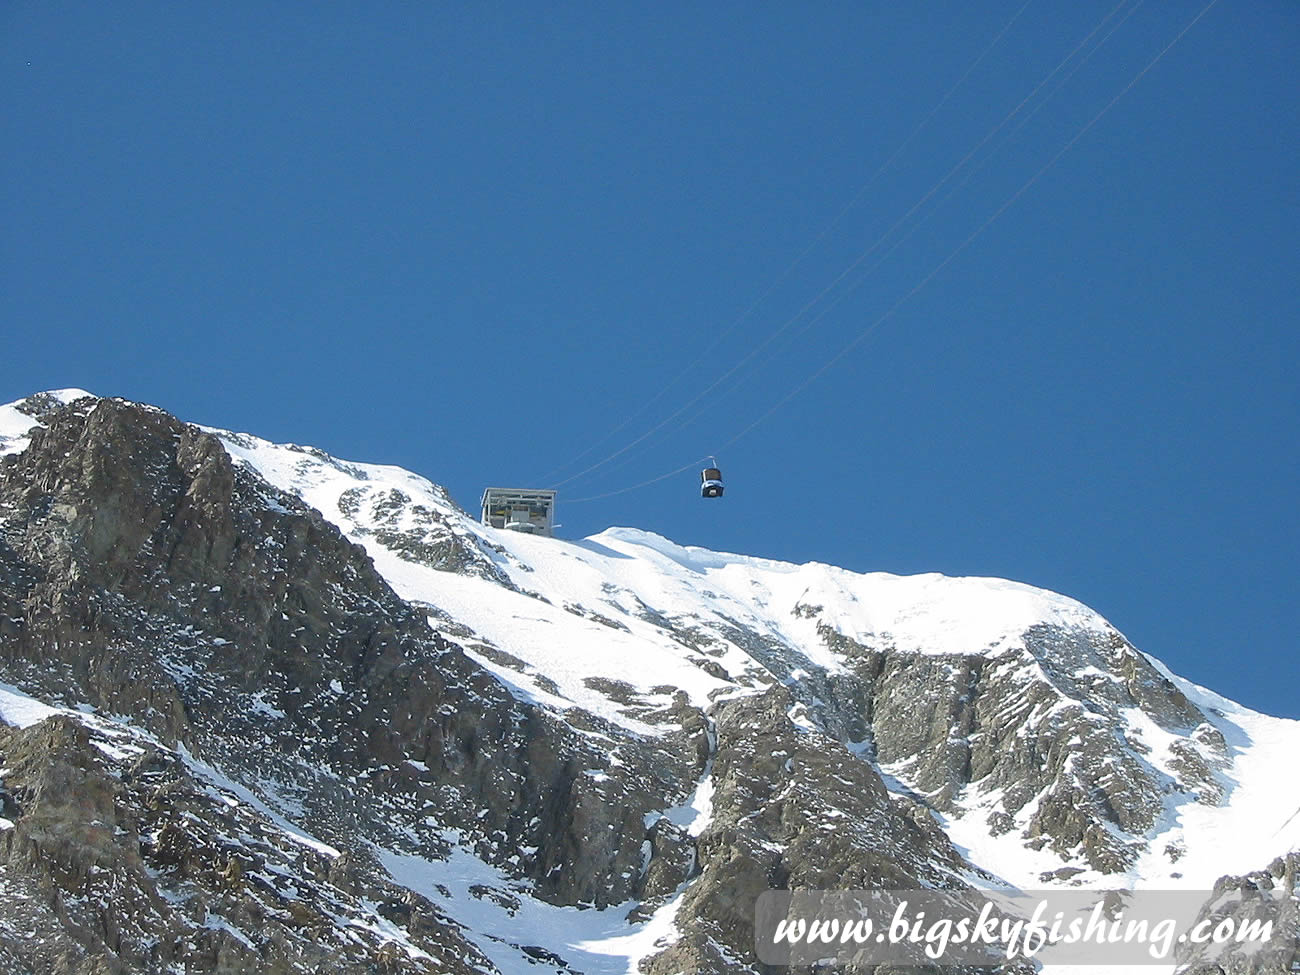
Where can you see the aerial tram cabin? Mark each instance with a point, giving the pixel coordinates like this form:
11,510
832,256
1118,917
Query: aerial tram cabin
711,482
520,509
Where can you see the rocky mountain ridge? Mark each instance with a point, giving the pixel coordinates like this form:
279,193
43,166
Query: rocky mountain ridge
273,711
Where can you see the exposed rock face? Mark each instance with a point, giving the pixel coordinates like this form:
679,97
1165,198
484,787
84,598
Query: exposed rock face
794,810
1268,895
122,860
145,575
256,756
1041,723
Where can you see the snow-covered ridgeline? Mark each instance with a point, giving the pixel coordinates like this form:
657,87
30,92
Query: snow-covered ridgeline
640,580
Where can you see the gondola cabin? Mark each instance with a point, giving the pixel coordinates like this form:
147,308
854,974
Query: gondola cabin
710,483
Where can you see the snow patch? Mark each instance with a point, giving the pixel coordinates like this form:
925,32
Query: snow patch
22,711
502,919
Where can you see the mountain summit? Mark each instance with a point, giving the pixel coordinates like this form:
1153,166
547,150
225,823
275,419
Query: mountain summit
267,710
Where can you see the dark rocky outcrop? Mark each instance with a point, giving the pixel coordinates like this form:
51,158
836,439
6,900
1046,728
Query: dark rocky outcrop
147,575
121,860
1043,724
1270,895
794,809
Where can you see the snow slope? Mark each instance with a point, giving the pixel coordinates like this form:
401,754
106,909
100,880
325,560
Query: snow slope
624,584
620,623
655,591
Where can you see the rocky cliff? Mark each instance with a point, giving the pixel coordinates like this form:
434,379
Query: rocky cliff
271,711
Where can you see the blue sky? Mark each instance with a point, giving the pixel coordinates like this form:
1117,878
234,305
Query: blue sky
498,243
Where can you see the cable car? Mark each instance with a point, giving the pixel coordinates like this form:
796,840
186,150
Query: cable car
711,482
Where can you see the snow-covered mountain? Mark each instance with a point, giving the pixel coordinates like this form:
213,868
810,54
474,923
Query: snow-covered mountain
329,715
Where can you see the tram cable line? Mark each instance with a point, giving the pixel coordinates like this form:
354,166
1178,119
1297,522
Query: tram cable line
971,172
861,257
766,293
958,250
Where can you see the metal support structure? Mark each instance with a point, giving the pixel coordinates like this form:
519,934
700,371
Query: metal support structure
520,509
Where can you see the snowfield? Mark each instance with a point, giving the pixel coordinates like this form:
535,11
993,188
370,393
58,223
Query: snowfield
634,578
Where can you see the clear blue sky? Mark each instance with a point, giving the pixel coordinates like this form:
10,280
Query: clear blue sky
472,239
